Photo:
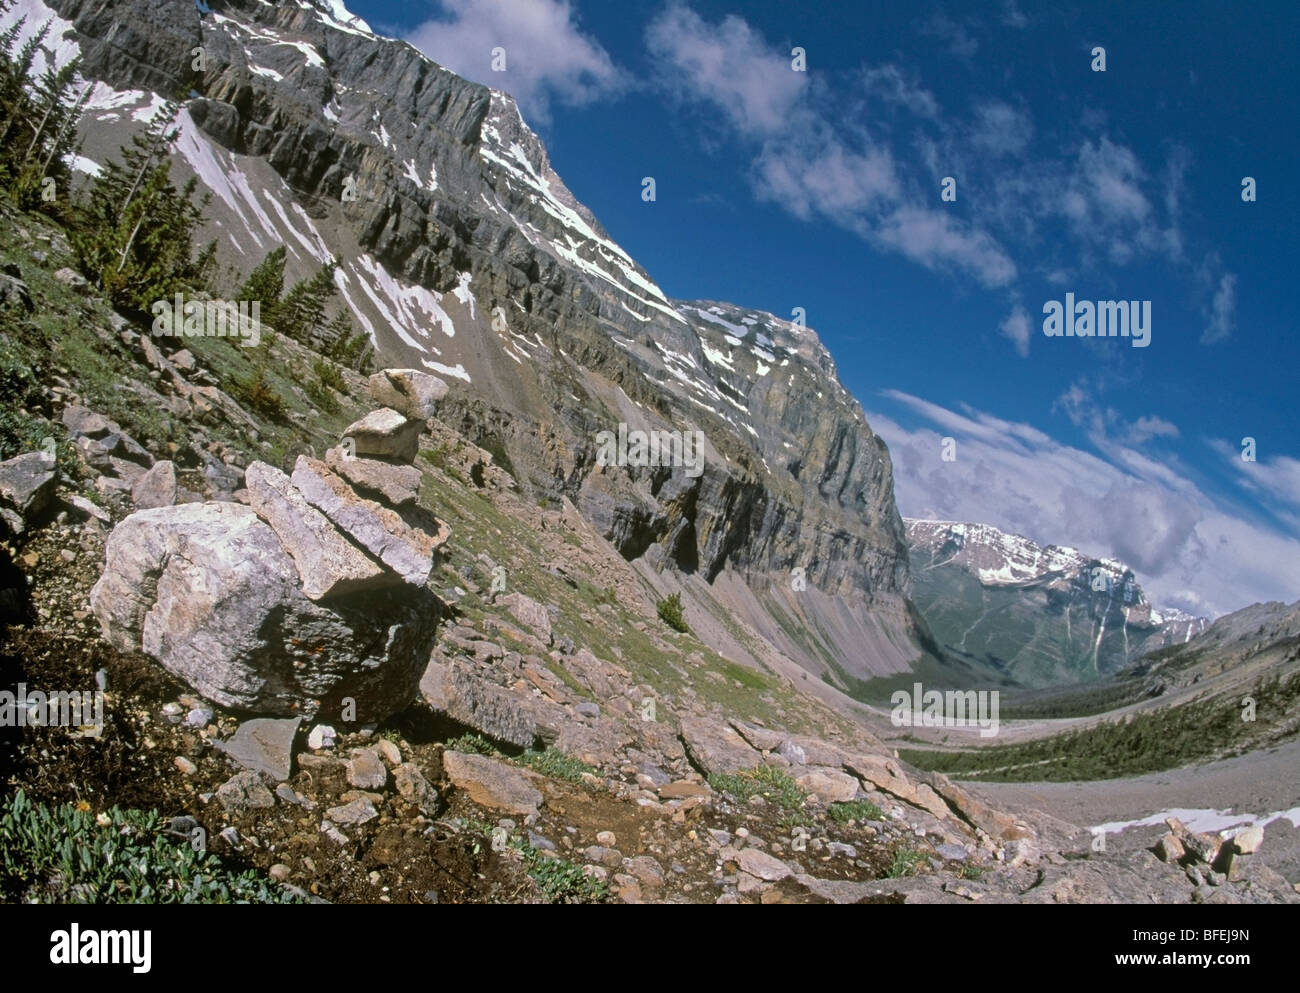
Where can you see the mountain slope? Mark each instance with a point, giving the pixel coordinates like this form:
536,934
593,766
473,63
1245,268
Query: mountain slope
1042,616
462,252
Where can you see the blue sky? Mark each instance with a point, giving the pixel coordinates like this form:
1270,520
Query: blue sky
778,189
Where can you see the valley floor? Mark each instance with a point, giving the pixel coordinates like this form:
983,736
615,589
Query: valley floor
1256,785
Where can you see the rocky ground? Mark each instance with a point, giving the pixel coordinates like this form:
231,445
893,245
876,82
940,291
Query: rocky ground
345,647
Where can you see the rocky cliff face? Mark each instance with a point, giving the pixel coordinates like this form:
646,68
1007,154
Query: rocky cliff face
1039,614
463,253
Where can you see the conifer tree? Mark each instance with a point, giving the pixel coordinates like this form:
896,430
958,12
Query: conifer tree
265,284
302,312
138,238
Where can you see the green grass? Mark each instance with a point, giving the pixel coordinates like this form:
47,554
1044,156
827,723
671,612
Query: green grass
471,743
65,855
856,810
744,676
774,785
556,765
560,880
904,862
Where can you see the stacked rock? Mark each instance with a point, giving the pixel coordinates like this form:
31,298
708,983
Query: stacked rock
312,595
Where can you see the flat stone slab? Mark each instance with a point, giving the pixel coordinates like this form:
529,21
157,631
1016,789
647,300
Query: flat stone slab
328,563
381,531
410,391
491,783
717,748
27,482
264,745
475,702
396,483
386,433
760,864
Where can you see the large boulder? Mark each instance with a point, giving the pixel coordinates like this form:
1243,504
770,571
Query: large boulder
26,484
716,747
209,591
473,701
409,391
530,613
381,531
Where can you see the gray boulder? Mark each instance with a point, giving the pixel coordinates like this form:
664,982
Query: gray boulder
156,488
413,393
717,748
209,592
473,701
27,482
530,613
398,485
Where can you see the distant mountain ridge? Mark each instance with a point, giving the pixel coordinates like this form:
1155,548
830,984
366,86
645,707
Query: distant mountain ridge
1039,614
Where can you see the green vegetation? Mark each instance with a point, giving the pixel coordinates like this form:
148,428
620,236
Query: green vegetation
136,230
774,785
856,810
65,855
670,612
474,744
1147,742
256,391
745,676
265,283
556,765
904,862
560,880
500,457
37,128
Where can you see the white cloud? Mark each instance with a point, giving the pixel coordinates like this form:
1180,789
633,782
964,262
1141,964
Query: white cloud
1001,129
730,66
1012,16
1187,549
815,166
871,158
1146,428
954,35
1274,481
934,239
1016,327
548,58
1222,311
890,85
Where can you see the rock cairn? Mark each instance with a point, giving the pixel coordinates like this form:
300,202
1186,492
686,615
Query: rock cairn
310,596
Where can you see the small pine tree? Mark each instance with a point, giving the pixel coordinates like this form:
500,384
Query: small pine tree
54,137
137,241
670,612
342,345
301,313
265,284
15,104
